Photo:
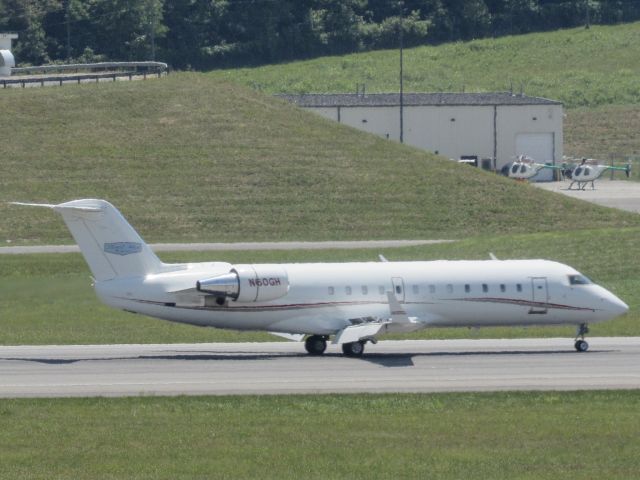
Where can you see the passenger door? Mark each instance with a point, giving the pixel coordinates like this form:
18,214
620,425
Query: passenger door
540,295
398,288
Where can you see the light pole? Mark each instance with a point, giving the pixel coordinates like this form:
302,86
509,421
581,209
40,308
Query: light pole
401,78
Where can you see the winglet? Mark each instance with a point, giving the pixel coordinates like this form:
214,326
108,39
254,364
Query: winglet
398,314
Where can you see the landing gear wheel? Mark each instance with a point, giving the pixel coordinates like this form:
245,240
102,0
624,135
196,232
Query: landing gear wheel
315,345
582,346
353,349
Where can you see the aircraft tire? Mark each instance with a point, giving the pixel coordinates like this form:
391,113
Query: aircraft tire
353,349
315,345
581,346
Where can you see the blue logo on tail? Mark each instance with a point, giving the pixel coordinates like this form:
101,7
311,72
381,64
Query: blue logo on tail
123,248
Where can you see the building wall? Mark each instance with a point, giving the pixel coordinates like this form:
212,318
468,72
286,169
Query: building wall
383,121
328,112
513,120
450,131
455,131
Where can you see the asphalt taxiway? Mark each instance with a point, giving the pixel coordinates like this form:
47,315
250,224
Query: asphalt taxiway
284,368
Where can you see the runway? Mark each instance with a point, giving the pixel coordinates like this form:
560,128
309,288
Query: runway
284,368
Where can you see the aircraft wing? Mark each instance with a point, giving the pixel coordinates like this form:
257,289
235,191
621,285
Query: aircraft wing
398,321
355,333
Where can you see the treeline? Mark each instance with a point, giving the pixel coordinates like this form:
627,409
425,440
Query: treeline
206,34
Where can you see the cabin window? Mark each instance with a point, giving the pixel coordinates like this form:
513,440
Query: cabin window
519,287
485,287
579,280
332,290
503,287
416,290
398,289
348,290
587,171
514,168
523,169
467,288
449,288
365,290
381,290
577,172
432,289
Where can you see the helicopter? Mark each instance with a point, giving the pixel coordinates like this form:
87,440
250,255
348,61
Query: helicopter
587,172
525,167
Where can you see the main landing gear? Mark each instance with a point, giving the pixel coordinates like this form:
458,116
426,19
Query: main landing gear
581,344
317,344
353,349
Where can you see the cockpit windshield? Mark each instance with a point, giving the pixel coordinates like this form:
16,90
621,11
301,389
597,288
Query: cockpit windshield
579,280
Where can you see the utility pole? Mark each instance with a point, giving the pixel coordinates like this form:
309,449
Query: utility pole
587,20
154,22
67,18
401,77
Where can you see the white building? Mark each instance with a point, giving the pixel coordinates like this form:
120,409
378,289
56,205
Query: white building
7,62
490,127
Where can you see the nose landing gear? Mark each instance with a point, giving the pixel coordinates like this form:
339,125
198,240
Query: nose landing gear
581,344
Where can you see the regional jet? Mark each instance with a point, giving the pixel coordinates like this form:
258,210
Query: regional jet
348,303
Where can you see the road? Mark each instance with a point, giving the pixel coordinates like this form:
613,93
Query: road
203,247
283,368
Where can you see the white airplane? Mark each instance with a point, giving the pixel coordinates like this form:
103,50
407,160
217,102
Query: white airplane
351,302
589,172
524,168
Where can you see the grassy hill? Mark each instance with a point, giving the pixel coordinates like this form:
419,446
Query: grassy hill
580,67
595,70
194,158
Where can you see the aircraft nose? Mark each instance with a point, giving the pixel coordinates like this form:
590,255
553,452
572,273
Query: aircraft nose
615,305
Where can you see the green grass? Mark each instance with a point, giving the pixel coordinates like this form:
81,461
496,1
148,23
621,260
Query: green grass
192,158
527,435
579,67
47,299
606,133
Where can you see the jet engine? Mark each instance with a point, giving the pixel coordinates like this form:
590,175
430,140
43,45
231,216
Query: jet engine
248,283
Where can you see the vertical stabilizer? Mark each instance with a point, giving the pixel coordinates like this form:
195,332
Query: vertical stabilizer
111,246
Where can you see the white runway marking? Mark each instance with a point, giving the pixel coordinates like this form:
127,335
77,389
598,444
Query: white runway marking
275,368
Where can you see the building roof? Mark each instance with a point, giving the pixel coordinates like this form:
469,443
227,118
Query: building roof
413,99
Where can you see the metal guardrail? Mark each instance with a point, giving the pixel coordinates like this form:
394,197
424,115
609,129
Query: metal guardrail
77,67
45,75
79,78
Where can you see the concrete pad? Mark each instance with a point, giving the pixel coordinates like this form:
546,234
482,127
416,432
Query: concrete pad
621,194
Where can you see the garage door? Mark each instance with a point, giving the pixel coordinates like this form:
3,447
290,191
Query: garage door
538,146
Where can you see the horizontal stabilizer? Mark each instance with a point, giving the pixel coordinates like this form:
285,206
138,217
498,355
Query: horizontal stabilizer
47,205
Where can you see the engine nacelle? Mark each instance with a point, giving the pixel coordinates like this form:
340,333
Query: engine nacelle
248,283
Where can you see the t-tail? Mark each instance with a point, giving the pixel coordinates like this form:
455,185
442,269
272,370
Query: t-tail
110,246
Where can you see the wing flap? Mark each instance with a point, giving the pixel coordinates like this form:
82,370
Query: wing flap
355,333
